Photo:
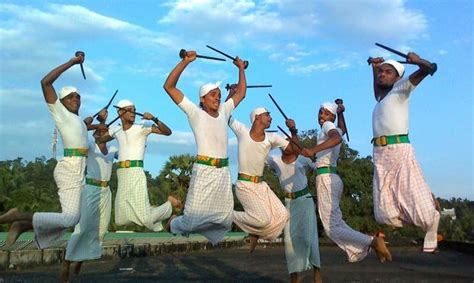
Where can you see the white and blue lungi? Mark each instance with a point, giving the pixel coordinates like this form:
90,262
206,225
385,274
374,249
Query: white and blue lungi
85,242
301,230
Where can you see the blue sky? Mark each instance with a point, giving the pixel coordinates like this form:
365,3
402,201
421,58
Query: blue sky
310,51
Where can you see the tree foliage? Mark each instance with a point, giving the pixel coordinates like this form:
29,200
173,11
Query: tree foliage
29,185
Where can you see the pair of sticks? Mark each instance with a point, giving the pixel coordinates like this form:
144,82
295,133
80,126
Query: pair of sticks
432,68
182,54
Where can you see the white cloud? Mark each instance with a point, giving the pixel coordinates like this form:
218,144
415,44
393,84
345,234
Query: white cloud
311,68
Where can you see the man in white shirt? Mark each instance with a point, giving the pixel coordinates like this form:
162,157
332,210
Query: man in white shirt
85,242
264,215
69,171
132,203
401,194
301,230
329,189
209,200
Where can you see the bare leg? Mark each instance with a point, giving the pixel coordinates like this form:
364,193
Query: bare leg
378,243
167,227
16,229
77,267
253,240
64,274
317,275
294,278
15,215
175,203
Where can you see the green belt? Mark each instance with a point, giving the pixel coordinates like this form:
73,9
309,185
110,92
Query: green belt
297,194
211,161
386,140
97,183
326,170
130,163
75,152
249,178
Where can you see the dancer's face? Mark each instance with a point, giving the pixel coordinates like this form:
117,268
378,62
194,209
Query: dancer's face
211,100
325,115
386,76
72,102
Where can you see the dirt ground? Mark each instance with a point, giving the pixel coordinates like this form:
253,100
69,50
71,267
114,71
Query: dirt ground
267,264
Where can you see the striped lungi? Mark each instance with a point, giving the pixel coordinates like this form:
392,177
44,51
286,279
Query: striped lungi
401,194
301,235
329,188
132,204
49,227
209,204
86,240
264,215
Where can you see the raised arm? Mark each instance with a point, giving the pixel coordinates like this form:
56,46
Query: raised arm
375,63
47,82
292,147
241,88
423,70
159,127
341,123
170,83
334,138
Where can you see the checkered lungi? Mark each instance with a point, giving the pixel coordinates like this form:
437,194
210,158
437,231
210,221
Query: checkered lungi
301,235
209,204
86,241
329,188
132,204
49,227
401,194
264,215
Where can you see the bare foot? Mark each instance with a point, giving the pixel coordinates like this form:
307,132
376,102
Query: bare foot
64,274
167,227
378,243
175,203
253,240
16,229
10,216
77,267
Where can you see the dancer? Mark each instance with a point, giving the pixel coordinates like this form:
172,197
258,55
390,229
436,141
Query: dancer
264,215
401,194
329,188
85,242
301,230
132,203
209,200
68,173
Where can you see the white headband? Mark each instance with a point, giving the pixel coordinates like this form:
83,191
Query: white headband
399,67
331,107
124,103
67,90
257,111
206,88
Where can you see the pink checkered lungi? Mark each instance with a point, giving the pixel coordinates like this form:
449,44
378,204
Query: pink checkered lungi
264,214
356,245
401,194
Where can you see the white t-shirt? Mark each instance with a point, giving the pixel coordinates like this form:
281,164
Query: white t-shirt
292,176
252,154
99,166
390,116
210,133
72,129
131,142
327,157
